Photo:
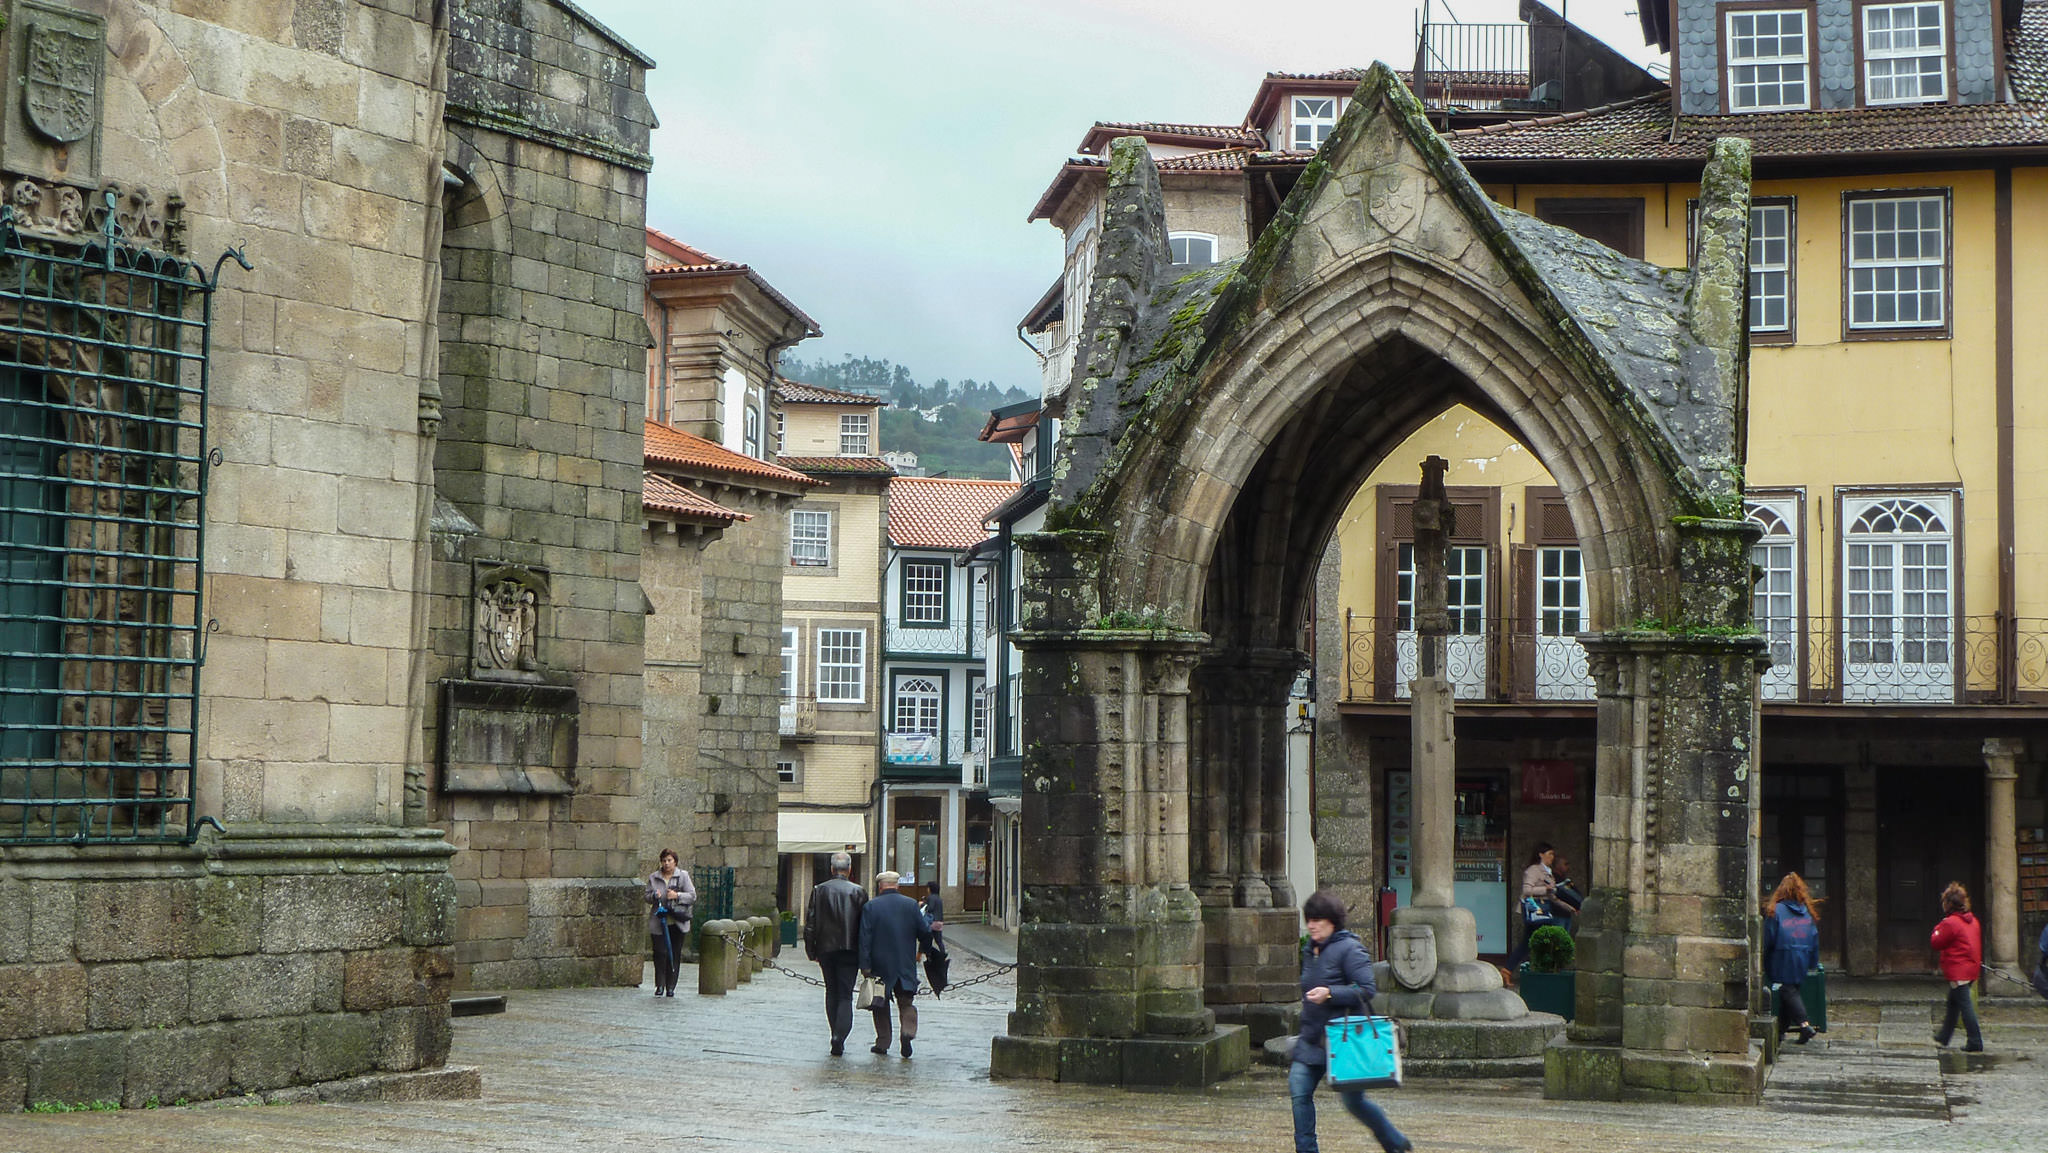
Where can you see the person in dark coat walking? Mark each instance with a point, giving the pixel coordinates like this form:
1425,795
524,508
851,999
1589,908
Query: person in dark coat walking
672,896
933,906
1960,941
893,931
1791,946
1336,981
832,919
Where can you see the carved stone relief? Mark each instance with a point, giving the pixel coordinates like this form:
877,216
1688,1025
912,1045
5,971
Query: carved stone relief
508,606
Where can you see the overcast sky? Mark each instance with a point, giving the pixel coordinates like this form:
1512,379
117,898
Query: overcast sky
875,159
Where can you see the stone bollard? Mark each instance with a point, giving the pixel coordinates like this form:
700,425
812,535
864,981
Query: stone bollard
714,959
761,940
739,969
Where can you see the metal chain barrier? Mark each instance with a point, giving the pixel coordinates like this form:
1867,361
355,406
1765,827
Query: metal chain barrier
2005,976
979,978
769,962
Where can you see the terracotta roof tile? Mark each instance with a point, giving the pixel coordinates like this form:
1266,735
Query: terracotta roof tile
1221,134
669,258
943,512
661,494
797,392
840,465
673,446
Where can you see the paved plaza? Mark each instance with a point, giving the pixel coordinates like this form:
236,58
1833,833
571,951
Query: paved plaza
617,1069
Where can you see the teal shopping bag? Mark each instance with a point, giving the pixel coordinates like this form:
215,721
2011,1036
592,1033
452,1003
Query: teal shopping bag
1365,1053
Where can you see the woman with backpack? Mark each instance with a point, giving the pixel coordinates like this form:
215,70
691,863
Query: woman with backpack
1959,938
1791,947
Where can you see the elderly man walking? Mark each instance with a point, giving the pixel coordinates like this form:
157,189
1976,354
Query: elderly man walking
832,937
893,931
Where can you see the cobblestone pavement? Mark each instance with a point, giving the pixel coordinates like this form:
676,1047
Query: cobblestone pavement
577,1069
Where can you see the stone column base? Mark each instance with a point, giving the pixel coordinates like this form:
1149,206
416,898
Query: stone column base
1250,956
1265,1021
1578,1071
1179,1062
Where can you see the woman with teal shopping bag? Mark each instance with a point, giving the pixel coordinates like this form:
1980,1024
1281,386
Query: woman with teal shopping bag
1336,979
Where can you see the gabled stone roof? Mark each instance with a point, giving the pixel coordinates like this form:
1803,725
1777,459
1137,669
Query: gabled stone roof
943,512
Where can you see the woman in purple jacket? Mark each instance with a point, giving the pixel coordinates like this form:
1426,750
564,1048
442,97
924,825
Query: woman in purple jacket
1336,980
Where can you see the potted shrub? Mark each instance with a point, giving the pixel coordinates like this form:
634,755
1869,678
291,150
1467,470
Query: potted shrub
788,928
1546,981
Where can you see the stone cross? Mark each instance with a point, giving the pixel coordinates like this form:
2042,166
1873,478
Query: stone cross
1431,699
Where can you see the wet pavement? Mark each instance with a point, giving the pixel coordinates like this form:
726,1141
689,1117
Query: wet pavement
574,1069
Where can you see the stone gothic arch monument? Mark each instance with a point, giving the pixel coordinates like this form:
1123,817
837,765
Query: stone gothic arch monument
1220,422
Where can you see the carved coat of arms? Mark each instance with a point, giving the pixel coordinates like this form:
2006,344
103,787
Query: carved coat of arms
1393,199
1411,954
60,86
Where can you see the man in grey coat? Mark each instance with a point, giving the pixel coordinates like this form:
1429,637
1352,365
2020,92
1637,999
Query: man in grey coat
893,931
832,938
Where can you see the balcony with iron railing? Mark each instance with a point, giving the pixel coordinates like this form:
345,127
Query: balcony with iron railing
959,639
932,756
1985,660
1472,67
799,718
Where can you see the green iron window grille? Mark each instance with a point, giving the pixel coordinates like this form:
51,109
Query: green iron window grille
103,460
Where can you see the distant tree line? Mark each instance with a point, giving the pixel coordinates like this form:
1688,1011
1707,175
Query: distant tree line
939,421
878,377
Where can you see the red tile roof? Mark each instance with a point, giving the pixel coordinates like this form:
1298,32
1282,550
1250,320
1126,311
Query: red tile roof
673,446
1217,135
797,392
659,494
841,465
942,512
1214,160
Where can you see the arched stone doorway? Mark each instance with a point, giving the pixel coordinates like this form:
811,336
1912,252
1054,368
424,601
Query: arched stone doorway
1220,424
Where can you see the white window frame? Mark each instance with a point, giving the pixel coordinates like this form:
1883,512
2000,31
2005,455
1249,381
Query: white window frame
1775,599
1771,250
977,715
925,607
786,773
751,437
810,536
1883,56
781,432
1560,591
1307,125
1465,649
1182,245
923,696
853,434
842,666
1750,74
791,662
1899,598
1873,268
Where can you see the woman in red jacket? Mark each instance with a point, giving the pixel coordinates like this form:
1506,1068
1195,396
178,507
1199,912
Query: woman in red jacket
1960,941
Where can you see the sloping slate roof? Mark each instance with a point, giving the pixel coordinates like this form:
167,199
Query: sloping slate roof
943,512
797,392
660,494
1642,129
841,465
665,445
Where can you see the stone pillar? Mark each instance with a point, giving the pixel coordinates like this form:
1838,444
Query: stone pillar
1859,866
1667,979
1250,928
1109,987
2001,852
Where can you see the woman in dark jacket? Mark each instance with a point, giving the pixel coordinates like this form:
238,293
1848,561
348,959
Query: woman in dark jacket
1960,941
671,896
1336,981
1791,946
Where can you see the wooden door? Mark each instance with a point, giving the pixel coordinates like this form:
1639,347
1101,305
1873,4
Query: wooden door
1930,831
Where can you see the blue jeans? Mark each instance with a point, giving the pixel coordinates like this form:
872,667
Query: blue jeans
1302,1080
1960,1005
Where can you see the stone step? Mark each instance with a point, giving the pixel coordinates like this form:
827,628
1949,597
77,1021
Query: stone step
1461,1049
476,1005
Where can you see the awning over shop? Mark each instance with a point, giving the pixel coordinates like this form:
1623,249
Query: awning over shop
821,832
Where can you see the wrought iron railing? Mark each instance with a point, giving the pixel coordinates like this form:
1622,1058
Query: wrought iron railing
947,640
799,717
103,461
1472,66
1977,660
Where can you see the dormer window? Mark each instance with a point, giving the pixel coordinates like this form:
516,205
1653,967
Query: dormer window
1905,54
1767,67
1315,117
1192,248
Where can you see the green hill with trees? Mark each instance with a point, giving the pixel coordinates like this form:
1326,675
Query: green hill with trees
938,421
